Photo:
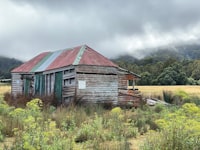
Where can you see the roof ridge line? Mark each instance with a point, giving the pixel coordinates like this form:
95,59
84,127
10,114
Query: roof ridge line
79,55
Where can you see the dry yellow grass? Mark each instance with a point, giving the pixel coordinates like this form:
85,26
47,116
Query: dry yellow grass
150,91
4,89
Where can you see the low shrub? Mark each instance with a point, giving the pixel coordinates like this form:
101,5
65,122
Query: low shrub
178,130
37,133
158,108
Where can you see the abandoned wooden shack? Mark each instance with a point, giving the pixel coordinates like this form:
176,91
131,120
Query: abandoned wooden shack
74,73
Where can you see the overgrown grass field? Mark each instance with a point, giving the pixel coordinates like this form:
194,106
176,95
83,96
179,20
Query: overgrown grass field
150,91
92,127
4,88
145,90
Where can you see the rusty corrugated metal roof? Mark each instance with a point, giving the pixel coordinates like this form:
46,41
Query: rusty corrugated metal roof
28,66
91,57
66,58
81,55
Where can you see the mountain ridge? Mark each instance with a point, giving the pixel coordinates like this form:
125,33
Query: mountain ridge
6,65
180,52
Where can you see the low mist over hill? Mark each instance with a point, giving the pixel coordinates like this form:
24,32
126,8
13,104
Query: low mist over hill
177,65
180,52
6,65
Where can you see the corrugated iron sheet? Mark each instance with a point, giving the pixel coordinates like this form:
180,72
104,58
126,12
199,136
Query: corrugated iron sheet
91,57
47,61
83,55
66,58
28,66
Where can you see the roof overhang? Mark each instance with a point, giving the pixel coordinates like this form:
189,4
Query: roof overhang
127,72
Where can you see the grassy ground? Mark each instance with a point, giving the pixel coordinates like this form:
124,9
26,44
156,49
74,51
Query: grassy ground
4,88
148,91
151,91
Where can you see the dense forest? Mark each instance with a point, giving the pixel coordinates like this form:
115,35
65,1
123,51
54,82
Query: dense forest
6,65
167,66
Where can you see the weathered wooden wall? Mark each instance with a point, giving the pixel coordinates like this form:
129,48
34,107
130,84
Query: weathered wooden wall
123,82
22,84
16,84
96,69
96,84
98,87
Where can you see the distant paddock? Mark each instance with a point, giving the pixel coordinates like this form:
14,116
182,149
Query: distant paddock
151,91
147,91
4,88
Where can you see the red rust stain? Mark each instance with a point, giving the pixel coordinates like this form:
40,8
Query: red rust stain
91,57
66,58
26,67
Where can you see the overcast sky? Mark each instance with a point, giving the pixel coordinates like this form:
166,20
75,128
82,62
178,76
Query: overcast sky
29,27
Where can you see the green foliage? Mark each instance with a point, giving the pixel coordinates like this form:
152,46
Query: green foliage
1,129
168,97
180,97
146,78
195,70
116,110
159,108
178,130
6,65
166,70
90,130
36,133
172,75
81,128
144,120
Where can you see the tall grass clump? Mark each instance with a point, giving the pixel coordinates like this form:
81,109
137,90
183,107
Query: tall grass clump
168,97
178,130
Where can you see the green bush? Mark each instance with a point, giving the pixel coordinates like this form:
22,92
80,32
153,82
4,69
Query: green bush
158,108
37,133
179,130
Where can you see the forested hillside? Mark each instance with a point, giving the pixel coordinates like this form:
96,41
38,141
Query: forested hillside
6,65
167,66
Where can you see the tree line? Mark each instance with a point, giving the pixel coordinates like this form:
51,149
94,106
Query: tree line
6,65
168,71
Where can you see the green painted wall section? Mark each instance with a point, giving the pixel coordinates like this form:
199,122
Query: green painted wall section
58,86
39,84
26,86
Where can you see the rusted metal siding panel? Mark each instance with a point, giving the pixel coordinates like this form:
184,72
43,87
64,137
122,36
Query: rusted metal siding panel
96,69
98,88
16,84
91,57
28,66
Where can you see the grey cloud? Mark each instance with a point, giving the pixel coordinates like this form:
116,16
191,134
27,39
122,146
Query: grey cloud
29,27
